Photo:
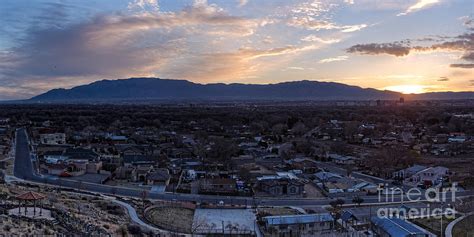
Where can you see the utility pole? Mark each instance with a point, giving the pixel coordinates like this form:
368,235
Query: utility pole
442,213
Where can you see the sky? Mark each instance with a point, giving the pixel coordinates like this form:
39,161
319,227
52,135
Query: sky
411,46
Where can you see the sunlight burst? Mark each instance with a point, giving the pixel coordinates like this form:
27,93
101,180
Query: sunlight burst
407,89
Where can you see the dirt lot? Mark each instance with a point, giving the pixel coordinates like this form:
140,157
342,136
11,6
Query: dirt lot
278,211
465,227
171,218
433,224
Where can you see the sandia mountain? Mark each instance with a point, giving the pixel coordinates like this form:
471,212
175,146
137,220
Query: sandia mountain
165,89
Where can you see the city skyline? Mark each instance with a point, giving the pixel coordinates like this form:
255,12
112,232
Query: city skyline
411,46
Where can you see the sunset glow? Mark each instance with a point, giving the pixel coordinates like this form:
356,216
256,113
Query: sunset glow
386,44
407,89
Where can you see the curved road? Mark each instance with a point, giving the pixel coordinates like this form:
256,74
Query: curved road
23,169
449,228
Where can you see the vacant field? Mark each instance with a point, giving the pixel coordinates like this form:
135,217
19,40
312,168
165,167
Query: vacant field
433,225
464,228
278,211
171,218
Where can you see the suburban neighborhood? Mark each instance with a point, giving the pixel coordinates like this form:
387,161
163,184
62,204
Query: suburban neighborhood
286,174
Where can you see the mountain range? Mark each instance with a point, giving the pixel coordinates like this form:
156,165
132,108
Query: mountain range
143,89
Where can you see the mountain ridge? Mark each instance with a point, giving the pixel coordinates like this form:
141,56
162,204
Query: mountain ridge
156,88
132,89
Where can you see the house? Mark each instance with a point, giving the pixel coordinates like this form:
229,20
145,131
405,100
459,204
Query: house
243,160
298,225
64,170
80,154
93,167
54,157
217,186
116,139
348,218
408,172
324,176
430,176
53,138
369,188
396,227
457,138
124,172
132,150
440,138
138,159
158,177
305,164
140,173
342,160
281,186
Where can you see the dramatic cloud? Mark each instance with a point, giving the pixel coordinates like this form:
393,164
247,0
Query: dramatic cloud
468,22
144,5
314,38
216,21
462,65
443,79
243,2
119,45
396,49
352,28
313,24
463,43
227,66
316,15
296,68
334,59
420,4
52,43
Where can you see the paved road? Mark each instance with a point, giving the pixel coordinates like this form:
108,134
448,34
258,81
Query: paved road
134,216
23,169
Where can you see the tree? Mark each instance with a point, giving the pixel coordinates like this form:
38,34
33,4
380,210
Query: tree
299,128
279,129
349,170
223,150
198,223
337,203
340,202
144,196
134,230
357,200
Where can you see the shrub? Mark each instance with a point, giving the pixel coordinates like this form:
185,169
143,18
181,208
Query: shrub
134,229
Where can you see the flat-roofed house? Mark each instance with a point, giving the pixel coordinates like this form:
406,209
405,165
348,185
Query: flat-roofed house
298,225
396,227
53,138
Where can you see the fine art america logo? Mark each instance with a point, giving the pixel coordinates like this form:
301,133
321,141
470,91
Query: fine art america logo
437,200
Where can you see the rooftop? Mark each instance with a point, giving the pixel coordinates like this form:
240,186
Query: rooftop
397,227
298,219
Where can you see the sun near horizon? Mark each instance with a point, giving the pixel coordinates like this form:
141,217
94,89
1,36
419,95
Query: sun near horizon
407,89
